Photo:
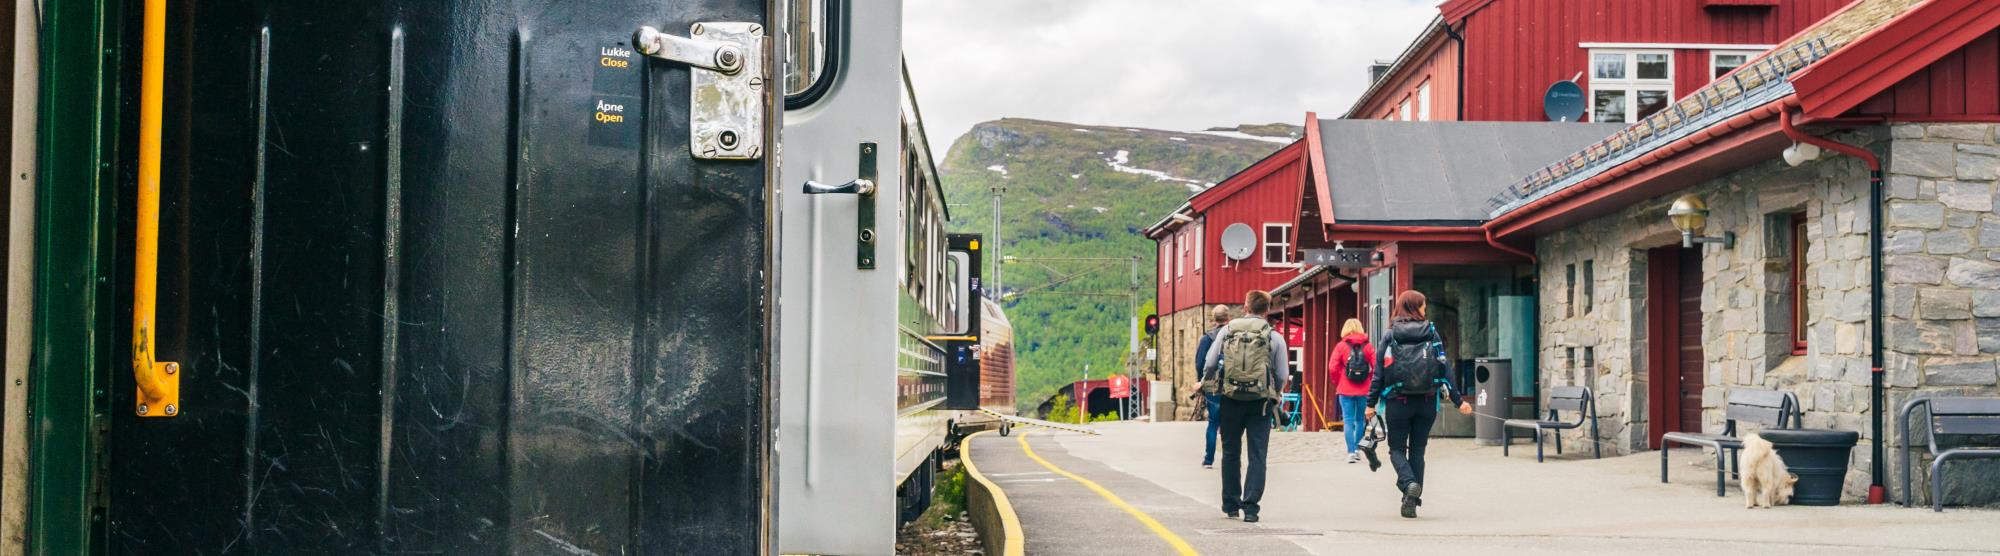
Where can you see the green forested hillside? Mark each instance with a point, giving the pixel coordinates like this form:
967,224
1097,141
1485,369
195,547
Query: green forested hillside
1076,191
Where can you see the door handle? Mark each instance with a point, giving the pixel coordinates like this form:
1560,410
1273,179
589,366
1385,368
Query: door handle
864,221
159,383
859,186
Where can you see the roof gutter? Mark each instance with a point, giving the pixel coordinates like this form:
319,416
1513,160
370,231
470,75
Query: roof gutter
1876,493
1508,248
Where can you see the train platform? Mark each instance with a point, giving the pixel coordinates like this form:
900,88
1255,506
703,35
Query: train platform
1155,495
1113,511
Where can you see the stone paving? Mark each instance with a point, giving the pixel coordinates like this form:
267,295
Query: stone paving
1475,499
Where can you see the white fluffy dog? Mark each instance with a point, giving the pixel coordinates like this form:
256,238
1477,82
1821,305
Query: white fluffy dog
1766,482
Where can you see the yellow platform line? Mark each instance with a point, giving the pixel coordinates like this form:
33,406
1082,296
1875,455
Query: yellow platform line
1180,546
1014,543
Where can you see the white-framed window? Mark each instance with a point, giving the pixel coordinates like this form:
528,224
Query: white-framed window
1403,110
1628,85
1166,260
1278,245
1197,247
1180,254
1721,62
1424,102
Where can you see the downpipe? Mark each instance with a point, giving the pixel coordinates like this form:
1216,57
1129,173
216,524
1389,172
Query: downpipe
1877,494
1490,240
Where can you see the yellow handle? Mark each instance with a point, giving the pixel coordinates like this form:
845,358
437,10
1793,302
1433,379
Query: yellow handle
159,383
1308,389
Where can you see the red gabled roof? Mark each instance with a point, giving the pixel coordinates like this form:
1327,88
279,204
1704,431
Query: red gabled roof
1271,163
1453,10
1316,164
1888,54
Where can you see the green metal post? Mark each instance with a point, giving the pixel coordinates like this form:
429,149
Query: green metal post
78,140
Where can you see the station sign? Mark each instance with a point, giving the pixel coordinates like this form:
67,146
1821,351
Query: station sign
1352,257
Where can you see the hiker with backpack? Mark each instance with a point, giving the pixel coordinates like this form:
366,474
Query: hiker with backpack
1414,371
1246,371
1220,316
1351,369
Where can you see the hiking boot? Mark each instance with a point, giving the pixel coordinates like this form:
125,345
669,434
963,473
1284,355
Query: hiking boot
1249,518
1410,501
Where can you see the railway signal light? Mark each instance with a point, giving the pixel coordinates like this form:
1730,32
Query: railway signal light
1152,325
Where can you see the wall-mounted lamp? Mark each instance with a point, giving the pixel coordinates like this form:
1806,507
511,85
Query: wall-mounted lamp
1690,216
1801,153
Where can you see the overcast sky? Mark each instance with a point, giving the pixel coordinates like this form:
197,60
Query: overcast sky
1165,64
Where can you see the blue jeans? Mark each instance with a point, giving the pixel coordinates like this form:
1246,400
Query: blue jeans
1353,423
1214,429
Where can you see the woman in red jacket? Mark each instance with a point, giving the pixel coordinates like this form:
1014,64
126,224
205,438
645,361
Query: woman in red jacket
1350,368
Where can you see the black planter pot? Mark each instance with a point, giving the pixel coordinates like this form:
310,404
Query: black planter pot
1819,459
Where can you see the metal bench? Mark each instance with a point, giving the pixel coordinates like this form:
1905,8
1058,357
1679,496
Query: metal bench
1561,398
1963,427
1769,408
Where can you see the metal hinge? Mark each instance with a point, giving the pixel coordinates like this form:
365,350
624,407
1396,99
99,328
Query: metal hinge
726,85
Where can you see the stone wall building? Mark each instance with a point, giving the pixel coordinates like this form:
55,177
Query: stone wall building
1663,333
1941,285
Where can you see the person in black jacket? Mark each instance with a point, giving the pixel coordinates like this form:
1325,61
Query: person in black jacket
1414,370
1219,317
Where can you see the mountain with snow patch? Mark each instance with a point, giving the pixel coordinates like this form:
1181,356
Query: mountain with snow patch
1080,191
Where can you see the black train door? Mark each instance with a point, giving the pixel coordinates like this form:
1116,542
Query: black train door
444,277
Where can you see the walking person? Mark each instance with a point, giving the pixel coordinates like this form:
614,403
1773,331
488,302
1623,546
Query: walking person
1413,374
1219,316
1246,369
1351,369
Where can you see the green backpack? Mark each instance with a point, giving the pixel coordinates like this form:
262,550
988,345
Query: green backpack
1246,360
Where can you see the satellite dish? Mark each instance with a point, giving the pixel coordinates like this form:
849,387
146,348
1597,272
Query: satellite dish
1238,241
1563,102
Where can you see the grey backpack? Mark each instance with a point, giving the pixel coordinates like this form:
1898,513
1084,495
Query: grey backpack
1246,360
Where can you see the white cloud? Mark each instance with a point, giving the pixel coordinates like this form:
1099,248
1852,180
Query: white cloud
1166,64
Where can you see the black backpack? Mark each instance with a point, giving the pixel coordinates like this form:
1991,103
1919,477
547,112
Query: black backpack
1414,369
1357,365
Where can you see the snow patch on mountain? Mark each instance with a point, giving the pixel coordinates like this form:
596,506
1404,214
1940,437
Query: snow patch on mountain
1121,160
1242,135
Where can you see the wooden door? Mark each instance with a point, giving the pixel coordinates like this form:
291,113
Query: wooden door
1674,355
1687,336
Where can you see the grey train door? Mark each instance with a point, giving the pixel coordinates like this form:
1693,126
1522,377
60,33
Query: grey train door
448,277
839,352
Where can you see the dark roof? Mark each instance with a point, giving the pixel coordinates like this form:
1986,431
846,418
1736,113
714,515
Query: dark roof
1437,172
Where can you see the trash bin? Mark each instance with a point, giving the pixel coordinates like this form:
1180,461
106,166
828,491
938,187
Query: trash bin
1492,389
1818,457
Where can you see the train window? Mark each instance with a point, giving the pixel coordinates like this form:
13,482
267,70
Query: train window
811,26
959,308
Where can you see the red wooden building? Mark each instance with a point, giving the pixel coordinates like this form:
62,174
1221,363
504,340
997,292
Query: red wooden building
1195,274
1499,56
1630,56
